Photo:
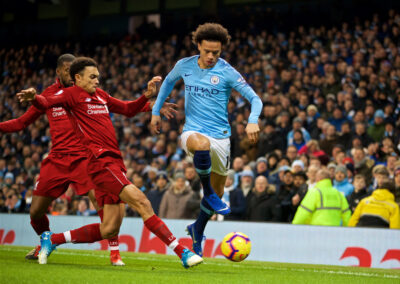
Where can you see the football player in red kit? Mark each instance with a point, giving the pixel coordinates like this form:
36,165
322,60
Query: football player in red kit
66,163
88,108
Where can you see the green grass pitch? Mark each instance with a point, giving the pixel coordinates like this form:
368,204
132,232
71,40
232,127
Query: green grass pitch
88,266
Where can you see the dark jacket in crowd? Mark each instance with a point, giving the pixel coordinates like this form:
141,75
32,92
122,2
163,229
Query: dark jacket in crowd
263,206
355,197
237,203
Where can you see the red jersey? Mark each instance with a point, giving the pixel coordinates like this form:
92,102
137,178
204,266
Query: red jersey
89,114
62,134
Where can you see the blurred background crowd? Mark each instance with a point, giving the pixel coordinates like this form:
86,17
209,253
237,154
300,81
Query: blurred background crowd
331,99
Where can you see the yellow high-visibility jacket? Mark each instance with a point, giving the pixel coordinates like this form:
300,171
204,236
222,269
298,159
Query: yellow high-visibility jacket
323,205
380,204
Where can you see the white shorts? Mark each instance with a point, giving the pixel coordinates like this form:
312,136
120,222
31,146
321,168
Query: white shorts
220,152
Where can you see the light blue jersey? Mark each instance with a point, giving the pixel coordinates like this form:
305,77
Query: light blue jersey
207,92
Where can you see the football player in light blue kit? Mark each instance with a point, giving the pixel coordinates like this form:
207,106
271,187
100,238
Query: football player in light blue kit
208,83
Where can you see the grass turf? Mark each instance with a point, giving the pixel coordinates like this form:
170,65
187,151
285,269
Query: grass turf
88,266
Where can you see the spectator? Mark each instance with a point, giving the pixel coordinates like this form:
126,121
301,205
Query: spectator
297,125
269,140
378,210
362,164
377,130
311,148
83,208
323,196
330,140
193,178
312,175
156,194
360,192
179,201
380,174
261,167
341,182
301,188
285,194
297,166
239,196
263,204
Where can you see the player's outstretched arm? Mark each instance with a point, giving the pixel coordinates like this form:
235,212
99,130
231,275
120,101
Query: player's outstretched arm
21,122
62,99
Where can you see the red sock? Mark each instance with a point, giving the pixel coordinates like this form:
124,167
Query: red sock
158,228
113,242
58,239
86,234
40,225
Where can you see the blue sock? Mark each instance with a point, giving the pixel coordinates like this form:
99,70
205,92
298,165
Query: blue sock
202,163
205,214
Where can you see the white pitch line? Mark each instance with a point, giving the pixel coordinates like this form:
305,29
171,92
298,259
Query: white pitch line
340,272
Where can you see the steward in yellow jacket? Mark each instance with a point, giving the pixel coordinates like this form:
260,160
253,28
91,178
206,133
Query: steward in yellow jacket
323,205
377,210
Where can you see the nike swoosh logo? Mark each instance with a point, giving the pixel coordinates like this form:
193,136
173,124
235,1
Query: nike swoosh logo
186,75
225,208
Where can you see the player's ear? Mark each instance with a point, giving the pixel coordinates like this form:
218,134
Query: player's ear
58,72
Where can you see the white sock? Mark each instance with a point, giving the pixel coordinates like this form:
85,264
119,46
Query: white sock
114,248
67,236
173,245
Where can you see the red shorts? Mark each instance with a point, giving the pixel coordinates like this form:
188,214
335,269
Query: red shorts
58,171
108,173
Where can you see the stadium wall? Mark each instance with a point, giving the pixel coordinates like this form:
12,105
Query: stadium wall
270,242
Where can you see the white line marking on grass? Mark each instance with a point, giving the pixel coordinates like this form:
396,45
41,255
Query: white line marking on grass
149,258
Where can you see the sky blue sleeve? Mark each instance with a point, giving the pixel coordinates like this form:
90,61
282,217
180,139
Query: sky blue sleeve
240,85
166,87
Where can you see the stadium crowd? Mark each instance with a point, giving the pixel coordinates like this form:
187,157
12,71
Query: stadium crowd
331,99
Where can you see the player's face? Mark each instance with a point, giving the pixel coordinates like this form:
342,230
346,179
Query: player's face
63,74
88,79
209,53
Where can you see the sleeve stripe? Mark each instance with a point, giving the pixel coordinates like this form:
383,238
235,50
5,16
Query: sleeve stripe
305,208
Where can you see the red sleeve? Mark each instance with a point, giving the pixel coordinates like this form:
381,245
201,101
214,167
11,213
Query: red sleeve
63,99
146,107
303,150
129,108
22,122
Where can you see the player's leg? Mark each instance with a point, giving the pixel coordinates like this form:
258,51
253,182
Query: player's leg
136,199
39,220
199,145
113,243
220,156
87,234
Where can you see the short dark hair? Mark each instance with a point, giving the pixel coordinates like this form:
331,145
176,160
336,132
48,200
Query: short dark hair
79,64
211,32
67,57
388,184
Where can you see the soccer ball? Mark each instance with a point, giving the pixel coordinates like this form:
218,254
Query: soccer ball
236,246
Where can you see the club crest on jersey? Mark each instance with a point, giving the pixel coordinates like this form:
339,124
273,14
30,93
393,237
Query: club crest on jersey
214,80
88,100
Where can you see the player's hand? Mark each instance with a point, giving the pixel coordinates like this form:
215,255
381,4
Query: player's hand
156,123
169,110
26,95
152,87
252,130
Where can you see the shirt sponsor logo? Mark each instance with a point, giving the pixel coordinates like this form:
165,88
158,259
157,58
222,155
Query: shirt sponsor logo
58,111
200,91
214,80
97,109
